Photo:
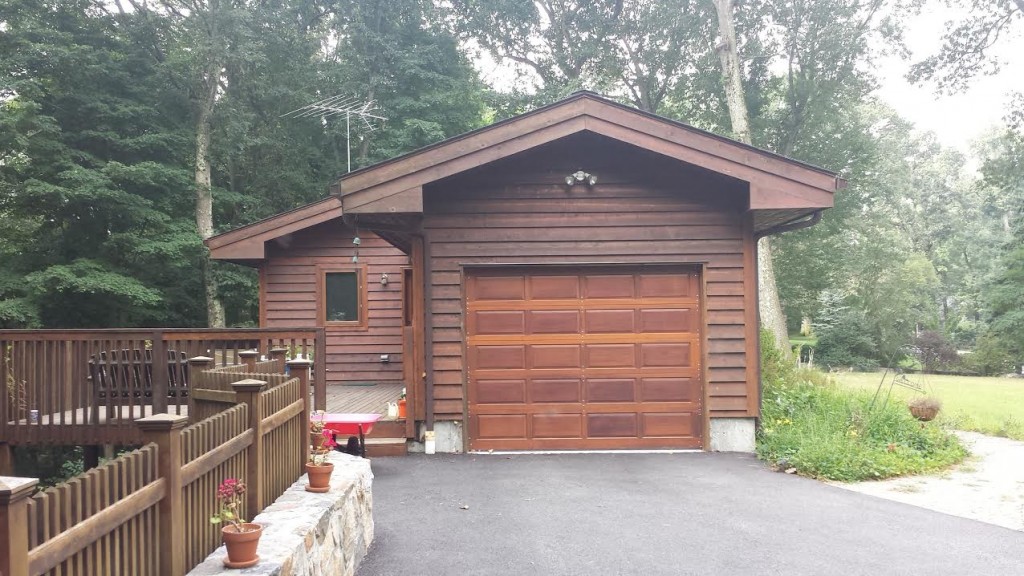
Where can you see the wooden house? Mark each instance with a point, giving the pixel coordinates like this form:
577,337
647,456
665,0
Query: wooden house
582,276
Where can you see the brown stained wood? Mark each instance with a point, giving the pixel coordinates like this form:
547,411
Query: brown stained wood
292,298
582,358
750,321
202,464
76,536
589,112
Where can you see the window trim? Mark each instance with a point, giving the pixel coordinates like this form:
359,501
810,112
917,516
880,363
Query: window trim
322,270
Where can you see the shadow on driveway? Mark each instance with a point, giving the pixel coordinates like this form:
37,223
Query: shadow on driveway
647,514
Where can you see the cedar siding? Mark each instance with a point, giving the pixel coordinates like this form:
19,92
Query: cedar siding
644,210
289,278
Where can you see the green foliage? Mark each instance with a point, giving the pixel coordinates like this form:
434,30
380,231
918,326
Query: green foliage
844,337
990,357
824,431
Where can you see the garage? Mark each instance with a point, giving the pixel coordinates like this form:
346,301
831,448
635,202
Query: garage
584,358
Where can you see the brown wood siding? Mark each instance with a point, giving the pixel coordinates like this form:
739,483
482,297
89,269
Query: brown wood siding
289,278
642,211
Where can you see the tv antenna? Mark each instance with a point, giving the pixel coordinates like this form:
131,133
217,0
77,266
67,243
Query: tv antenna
353,108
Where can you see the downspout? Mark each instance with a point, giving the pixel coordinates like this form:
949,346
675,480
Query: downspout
428,334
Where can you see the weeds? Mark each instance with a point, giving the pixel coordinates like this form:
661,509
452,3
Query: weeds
824,431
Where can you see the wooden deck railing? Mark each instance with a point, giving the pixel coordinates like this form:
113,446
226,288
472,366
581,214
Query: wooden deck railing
147,512
52,393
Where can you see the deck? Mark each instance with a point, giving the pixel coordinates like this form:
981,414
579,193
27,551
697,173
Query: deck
372,399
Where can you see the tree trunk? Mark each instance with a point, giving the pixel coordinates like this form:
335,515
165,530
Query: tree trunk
770,307
204,191
731,78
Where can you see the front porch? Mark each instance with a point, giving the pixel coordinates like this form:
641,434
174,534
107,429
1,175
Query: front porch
389,434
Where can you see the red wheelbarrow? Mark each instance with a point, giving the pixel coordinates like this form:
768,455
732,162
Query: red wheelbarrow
349,425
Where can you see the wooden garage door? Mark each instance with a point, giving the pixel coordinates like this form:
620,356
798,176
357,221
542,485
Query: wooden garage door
583,359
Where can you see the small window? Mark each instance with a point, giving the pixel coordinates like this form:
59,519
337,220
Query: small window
342,297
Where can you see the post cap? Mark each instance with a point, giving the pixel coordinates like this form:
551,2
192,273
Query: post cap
249,385
300,362
13,488
200,360
162,422
278,350
248,353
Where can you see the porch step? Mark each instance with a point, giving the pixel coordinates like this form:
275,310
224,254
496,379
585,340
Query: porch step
388,429
386,447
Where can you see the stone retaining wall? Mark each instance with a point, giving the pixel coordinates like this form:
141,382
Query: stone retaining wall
313,534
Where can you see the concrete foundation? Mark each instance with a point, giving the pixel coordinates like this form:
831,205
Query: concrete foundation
732,435
448,438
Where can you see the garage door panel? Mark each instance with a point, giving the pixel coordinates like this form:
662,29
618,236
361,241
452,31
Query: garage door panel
557,425
547,390
653,320
500,391
610,321
667,286
609,286
498,288
610,355
611,389
669,424
612,425
554,356
666,354
500,357
669,390
497,322
501,425
584,360
554,287
554,322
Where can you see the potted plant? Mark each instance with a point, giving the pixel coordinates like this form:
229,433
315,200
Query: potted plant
401,404
240,537
925,408
317,467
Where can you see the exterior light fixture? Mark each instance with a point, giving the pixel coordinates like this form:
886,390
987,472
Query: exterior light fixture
580,177
384,279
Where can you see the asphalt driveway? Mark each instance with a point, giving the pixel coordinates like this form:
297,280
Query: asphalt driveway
646,514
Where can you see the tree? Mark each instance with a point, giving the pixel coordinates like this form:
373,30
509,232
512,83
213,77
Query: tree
90,183
966,46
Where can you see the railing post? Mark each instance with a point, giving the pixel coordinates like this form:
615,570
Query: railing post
14,493
249,358
6,459
300,369
196,366
279,356
164,430
249,392
161,380
320,370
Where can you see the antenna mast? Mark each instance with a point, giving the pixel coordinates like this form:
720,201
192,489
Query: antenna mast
351,107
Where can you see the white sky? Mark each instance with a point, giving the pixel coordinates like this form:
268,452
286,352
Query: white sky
960,118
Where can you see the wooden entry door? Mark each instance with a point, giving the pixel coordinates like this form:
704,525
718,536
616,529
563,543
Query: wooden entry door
584,358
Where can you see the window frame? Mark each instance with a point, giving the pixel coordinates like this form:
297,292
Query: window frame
322,270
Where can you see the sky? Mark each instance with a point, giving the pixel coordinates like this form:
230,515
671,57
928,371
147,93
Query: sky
959,118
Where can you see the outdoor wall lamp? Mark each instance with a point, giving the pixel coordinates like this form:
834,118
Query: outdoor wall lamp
384,279
581,177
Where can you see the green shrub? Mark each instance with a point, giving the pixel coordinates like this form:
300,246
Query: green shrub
823,431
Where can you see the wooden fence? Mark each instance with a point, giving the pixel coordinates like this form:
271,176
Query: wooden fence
52,394
147,512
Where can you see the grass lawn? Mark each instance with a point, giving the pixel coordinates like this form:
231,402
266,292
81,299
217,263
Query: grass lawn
993,406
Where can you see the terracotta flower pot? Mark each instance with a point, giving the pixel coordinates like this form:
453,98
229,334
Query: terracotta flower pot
241,545
401,408
319,477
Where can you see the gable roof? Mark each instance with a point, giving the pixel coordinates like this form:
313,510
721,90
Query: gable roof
785,187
